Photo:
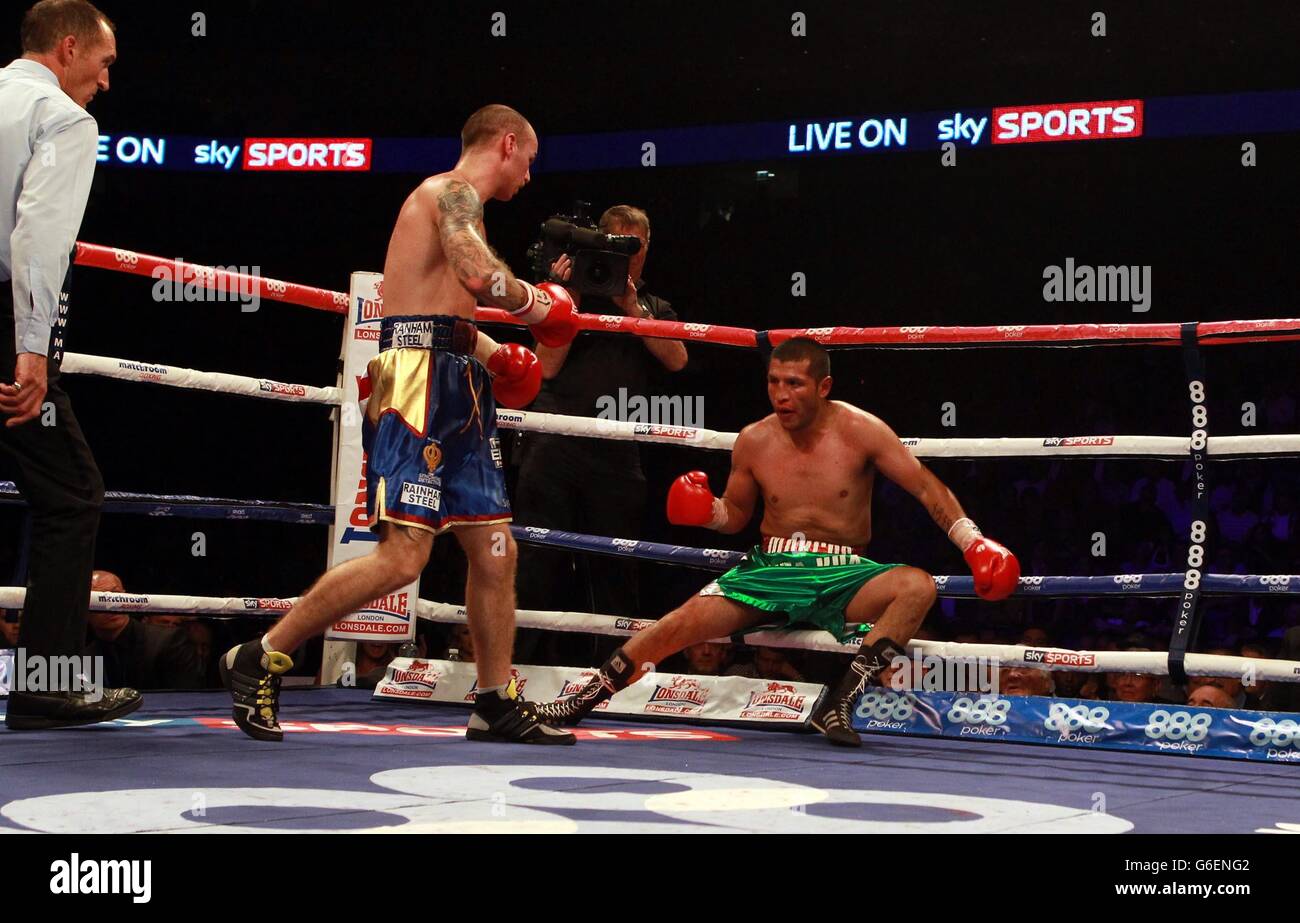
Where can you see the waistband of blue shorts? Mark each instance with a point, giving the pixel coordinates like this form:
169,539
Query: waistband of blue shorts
428,331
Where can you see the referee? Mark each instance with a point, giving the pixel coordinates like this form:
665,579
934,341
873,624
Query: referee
47,159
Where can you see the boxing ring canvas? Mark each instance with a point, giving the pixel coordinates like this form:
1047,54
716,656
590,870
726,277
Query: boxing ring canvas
350,764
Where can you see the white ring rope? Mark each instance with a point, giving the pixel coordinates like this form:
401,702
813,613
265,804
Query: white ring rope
697,437
177,377
1155,662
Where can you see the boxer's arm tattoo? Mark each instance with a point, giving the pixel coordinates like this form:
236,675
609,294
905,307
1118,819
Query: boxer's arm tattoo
942,518
460,208
475,263
938,500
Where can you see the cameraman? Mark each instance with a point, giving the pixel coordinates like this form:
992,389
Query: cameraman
594,486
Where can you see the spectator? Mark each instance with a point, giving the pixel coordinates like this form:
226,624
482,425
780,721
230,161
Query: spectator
460,645
1166,491
1238,519
1146,522
1035,636
9,627
1285,696
706,658
1184,509
1111,487
768,663
136,654
1210,697
1075,684
373,658
1134,687
592,485
166,619
1229,684
1021,680
1282,520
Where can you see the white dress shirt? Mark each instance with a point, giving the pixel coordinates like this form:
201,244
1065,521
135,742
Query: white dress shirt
47,160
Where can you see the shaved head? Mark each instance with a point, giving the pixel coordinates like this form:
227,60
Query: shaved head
490,123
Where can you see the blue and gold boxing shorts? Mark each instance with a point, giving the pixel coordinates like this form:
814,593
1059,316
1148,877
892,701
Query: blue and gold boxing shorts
430,429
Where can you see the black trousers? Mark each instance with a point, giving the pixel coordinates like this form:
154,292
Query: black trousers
56,474
558,493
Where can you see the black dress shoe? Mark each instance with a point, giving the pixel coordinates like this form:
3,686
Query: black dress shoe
36,711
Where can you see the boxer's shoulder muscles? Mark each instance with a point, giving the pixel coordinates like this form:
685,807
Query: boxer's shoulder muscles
460,214
458,204
742,486
743,447
887,452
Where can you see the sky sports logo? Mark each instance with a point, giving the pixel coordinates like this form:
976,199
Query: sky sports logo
1063,658
308,154
1116,118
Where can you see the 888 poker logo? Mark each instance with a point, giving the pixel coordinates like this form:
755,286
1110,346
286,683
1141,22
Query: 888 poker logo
1278,740
1177,730
883,709
1077,723
985,716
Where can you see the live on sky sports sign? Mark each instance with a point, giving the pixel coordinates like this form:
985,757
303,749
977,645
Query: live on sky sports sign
1107,119
1121,118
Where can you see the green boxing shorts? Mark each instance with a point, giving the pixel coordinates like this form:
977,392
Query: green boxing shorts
807,584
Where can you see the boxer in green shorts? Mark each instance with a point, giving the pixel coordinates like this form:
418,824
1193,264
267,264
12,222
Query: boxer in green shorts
813,461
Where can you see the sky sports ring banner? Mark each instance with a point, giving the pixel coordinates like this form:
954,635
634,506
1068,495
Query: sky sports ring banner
708,699
1157,728
1012,122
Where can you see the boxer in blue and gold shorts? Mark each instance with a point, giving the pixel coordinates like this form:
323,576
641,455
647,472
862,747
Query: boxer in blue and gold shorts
430,433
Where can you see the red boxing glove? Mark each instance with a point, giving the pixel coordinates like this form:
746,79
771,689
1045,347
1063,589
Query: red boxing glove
516,375
691,502
560,325
996,569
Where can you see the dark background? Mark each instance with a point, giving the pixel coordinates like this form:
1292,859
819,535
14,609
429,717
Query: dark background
888,238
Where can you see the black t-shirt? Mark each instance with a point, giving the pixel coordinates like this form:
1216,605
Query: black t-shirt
598,365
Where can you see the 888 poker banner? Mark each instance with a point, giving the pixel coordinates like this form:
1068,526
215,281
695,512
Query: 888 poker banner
1252,735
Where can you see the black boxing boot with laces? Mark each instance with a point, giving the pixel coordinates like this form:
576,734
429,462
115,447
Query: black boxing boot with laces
834,717
568,711
502,716
252,674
